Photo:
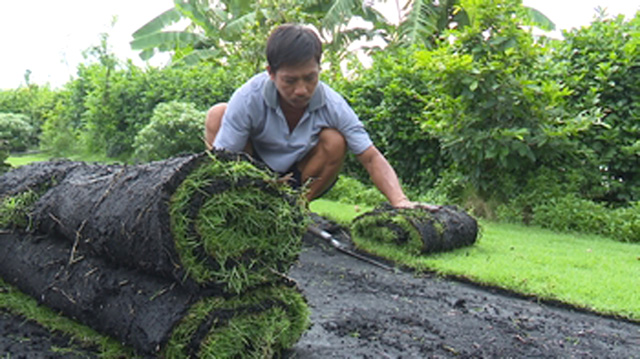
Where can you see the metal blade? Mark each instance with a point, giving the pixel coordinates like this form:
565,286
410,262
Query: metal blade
345,248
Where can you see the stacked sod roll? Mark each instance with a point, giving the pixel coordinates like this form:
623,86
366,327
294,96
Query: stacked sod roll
184,257
416,231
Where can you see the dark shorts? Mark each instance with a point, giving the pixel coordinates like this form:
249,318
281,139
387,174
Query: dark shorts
295,180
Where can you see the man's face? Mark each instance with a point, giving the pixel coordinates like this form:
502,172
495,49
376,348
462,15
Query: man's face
296,84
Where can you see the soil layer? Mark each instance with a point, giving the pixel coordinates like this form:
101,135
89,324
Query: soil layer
362,311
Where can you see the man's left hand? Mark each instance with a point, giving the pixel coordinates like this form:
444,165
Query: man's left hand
405,203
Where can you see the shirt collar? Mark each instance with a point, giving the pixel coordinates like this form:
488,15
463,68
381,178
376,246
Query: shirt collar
270,94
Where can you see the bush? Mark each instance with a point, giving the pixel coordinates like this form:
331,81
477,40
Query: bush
33,101
350,190
4,154
495,111
599,65
175,128
543,185
104,108
570,213
388,98
16,131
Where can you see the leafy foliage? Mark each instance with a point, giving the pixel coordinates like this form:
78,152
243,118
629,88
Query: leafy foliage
601,67
92,115
4,154
350,190
389,98
573,214
238,29
17,132
175,128
33,101
495,115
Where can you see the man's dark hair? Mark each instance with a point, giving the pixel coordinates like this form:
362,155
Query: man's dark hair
292,45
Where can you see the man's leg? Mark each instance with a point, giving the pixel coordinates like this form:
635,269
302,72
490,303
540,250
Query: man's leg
324,162
212,123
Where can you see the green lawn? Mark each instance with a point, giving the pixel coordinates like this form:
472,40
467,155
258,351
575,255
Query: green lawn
16,160
19,160
586,271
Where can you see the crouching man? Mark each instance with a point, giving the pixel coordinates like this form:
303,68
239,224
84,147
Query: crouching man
297,125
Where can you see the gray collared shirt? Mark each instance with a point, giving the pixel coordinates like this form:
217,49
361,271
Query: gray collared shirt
253,114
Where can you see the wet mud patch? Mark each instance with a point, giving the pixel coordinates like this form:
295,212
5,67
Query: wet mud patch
362,311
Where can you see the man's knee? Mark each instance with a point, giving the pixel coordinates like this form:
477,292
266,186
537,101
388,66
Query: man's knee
332,141
213,121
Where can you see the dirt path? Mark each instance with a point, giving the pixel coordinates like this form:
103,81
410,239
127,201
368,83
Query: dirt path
361,311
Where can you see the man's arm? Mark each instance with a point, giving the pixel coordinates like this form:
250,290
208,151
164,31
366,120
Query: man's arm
384,177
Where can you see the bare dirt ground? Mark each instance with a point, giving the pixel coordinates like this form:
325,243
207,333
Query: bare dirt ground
362,311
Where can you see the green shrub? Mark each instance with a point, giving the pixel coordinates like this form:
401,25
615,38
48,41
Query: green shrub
105,107
4,154
625,223
388,98
569,213
17,132
33,101
541,186
599,65
496,113
350,190
175,128
61,130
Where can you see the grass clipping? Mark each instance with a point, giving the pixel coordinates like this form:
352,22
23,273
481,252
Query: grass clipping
415,231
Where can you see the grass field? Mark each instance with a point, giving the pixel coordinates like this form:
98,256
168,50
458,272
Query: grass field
590,272
23,159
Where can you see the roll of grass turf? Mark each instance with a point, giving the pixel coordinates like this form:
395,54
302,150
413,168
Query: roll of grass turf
257,324
150,314
416,231
37,177
21,188
212,220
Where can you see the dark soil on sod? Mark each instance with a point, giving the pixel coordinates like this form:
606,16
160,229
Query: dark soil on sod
362,311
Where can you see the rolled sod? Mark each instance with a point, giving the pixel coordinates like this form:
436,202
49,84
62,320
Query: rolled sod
21,188
416,231
212,220
153,315
37,176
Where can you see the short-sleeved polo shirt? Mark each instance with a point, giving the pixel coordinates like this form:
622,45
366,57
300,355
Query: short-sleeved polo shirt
253,114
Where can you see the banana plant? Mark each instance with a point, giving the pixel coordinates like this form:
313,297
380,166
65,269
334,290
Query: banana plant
424,21
218,29
210,28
